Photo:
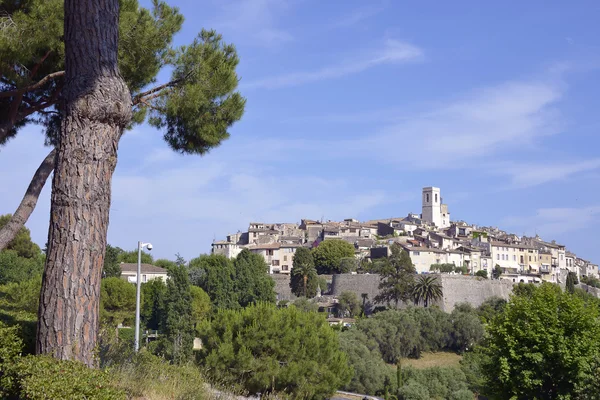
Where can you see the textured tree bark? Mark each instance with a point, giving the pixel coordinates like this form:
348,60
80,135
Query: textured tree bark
97,108
29,201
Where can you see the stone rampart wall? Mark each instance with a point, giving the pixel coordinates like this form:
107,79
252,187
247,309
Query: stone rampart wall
456,288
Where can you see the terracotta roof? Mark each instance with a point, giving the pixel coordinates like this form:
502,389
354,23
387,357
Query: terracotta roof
146,268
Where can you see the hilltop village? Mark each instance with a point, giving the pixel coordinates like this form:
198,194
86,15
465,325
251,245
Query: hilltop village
430,238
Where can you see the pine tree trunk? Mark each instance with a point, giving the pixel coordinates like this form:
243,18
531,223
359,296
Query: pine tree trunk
97,108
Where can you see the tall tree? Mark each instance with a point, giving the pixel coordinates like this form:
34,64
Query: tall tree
22,242
549,339
178,324
397,277
131,257
112,266
153,303
84,88
348,305
328,255
571,281
252,280
426,289
215,274
304,279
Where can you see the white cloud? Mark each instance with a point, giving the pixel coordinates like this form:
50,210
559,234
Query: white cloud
529,174
358,15
255,21
394,52
549,222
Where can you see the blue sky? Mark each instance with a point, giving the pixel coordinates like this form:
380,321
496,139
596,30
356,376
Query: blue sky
354,106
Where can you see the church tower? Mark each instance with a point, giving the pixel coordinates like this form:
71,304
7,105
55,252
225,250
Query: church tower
432,206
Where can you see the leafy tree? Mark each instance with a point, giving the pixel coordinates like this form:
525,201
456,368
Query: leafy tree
397,277
304,280
111,262
252,280
397,334
329,254
434,383
85,83
177,322
571,282
305,305
426,289
348,304
442,268
21,243
348,264
22,296
497,272
467,328
117,301
164,263
14,268
215,274
200,305
270,350
153,303
482,273
491,307
547,338
370,371
131,257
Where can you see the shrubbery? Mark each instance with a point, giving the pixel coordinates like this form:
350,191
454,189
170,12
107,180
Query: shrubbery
265,349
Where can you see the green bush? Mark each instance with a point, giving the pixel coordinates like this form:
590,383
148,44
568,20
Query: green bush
43,377
370,371
482,273
265,349
434,383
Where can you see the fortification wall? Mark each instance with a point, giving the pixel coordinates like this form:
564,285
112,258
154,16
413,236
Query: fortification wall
456,288
471,289
282,287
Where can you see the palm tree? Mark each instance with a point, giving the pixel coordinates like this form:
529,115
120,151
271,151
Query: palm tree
304,274
427,289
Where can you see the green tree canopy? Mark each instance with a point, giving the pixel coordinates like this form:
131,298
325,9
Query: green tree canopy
22,243
329,254
549,340
14,268
304,279
117,300
164,263
153,303
252,280
397,277
265,349
215,274
131,257
200,305
348,305
111,262
177,322
370,371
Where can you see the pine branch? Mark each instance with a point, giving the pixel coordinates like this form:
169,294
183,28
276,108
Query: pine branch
34,86
27,205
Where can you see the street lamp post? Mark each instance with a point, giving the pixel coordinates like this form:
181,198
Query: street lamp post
141,245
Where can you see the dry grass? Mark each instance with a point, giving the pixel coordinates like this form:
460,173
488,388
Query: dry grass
428,360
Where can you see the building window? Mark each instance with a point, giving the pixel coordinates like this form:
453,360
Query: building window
276,263
529,258
514,257
269,252
284,258
497,256
285,268
436,197
352,230
427,197
416,253
144,278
